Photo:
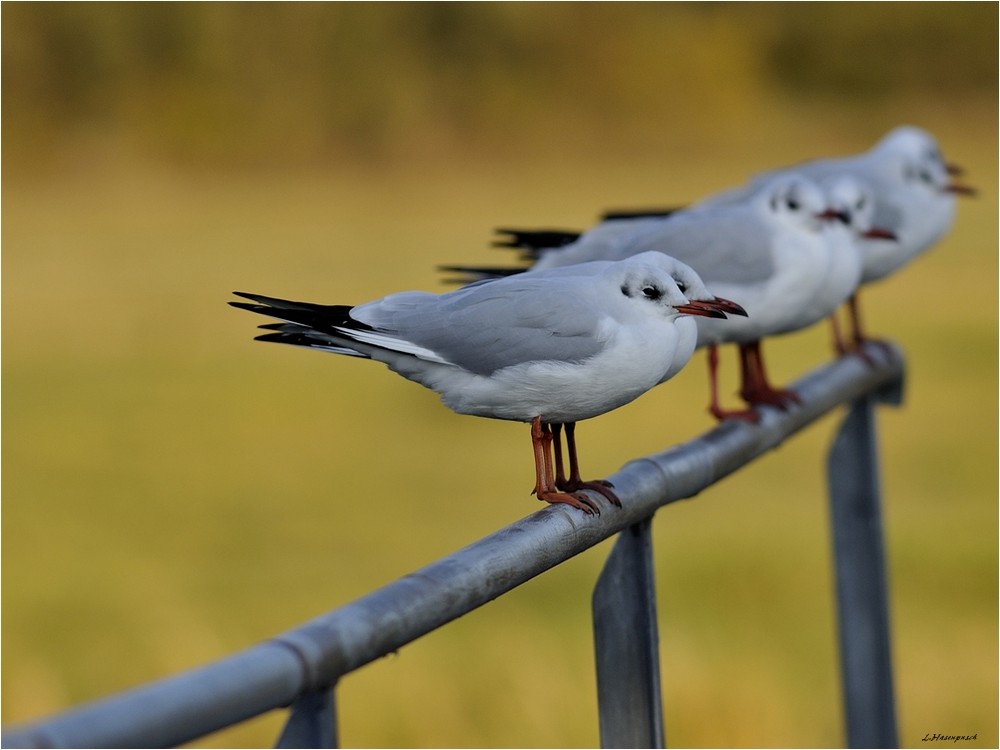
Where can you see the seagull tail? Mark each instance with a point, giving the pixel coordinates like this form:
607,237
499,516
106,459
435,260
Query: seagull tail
304,323
533,241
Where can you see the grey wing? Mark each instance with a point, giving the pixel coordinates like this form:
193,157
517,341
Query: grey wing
503,323
814,169
606,241
724,245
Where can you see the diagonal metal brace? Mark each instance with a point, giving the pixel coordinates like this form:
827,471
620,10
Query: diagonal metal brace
313,721
626,642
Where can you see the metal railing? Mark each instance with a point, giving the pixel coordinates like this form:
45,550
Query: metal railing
300,668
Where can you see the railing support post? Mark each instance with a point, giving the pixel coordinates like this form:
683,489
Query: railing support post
862,598
312,722
626,644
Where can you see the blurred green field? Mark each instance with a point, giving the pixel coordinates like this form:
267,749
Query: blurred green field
174,491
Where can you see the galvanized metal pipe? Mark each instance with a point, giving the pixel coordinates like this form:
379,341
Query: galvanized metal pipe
313,656
862,588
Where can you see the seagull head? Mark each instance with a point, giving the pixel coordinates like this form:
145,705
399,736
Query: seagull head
921,161
853,201
699,301
794,199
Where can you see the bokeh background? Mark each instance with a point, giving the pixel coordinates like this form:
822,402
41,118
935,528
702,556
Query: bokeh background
173,491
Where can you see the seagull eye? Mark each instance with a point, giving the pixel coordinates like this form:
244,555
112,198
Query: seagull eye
793,205
681,285
651,292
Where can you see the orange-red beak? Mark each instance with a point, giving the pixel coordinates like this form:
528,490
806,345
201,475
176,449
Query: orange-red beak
959,189
728,306
833,214
878,233
704,309
713,308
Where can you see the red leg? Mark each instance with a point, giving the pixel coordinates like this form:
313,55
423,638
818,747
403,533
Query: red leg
541,442
714,406
560,476
713,381
751,373
839,347
759,390
545,489
855,312
859,337
575,483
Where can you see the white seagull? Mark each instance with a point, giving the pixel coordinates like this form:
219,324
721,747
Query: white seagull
549,348
914,198
771,251
854,202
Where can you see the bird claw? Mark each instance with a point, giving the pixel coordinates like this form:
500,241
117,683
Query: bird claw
600,486
747,415
864,356
791,398
778,397
882,346
576,499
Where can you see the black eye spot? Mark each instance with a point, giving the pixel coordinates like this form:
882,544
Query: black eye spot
651,292
681,285
792,204
914,174
626,291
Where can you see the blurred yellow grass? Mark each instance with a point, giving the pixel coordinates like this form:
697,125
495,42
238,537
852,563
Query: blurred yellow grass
174,491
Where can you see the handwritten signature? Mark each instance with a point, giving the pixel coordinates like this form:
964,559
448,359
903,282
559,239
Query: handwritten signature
948,737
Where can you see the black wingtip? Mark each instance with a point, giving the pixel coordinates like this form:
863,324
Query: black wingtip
534,240
276,338
639,213
483,271
260,303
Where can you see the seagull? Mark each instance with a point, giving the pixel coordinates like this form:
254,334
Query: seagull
914,199
549,348
854,203
770,250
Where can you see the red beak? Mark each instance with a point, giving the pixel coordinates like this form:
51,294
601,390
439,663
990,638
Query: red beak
728,306
960,189
878,233
704,309
832,214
